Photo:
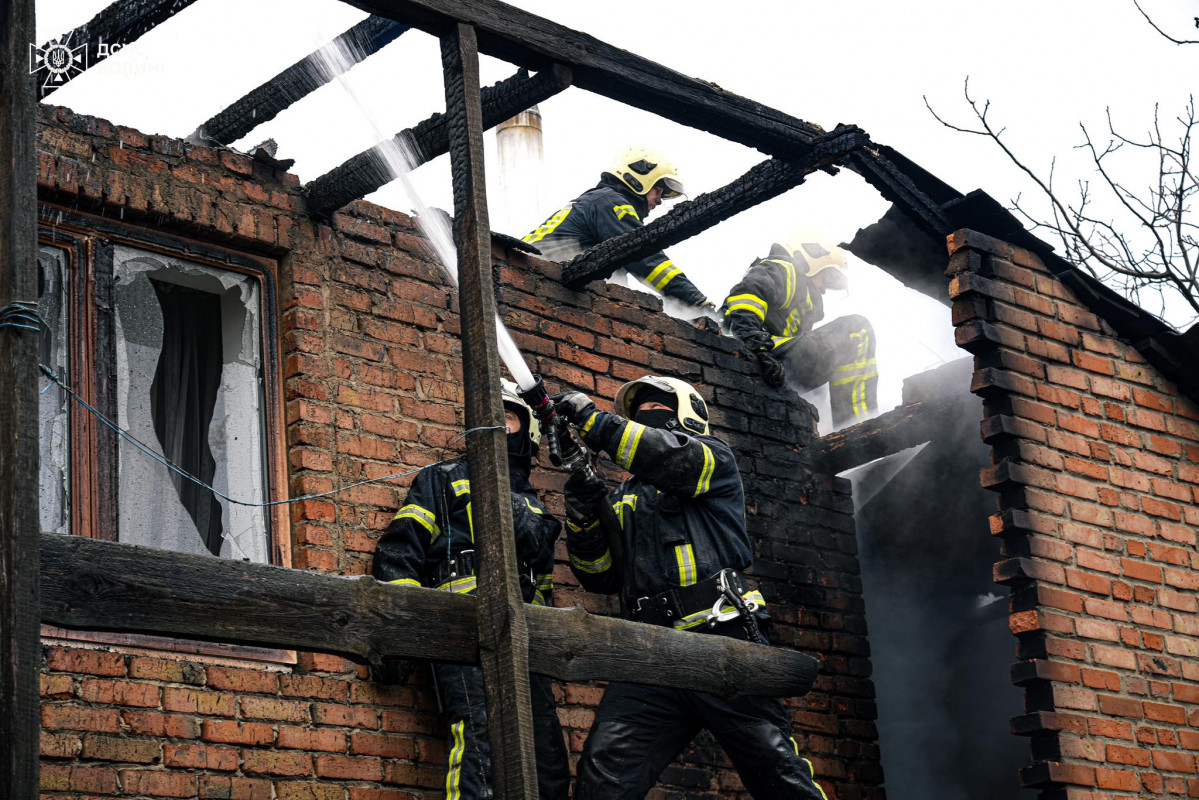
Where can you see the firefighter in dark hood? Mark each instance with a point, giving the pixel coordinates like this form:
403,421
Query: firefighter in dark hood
774,310
431,543
625,195
682,524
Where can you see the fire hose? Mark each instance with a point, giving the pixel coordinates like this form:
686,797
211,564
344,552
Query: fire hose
565,450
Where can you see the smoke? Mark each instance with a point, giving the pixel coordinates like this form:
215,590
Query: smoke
939,640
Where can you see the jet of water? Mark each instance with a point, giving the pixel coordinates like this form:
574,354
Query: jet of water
399,157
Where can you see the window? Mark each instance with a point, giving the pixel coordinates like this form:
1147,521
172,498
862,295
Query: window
175,343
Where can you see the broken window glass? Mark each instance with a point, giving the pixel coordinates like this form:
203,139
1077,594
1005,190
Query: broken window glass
190,388
54,417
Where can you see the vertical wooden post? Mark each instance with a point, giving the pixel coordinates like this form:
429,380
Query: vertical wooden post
19,517
503,630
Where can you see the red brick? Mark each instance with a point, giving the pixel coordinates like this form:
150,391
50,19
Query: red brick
274,708
345,716
292,738
297,790
158,784
91,662
57,717
348,768
274,763
119,748
199,756
119,693
69,778
153,723
233,732
198,701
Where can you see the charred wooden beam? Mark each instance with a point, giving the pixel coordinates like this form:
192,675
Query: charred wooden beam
120,24
877,168
530,41
97,585
764,181
369,170
299,80
19,517
904,427
502,626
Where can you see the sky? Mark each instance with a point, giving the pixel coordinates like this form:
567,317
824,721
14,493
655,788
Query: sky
1045,67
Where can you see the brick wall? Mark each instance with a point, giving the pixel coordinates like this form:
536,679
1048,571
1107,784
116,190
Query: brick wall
1096,465
372,382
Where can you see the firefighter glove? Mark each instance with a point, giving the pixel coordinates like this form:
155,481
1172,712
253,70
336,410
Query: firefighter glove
707,305
772,370
758,341
583,497
575,406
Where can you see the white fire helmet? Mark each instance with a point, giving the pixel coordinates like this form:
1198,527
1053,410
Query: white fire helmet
692,411
818,253
510,393
641,168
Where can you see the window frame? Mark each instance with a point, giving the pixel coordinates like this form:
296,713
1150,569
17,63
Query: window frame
88,241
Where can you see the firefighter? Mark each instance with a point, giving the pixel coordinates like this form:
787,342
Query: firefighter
774,309
626,193
682,524
430,542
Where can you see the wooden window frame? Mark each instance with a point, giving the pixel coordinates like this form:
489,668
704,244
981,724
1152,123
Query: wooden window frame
87,241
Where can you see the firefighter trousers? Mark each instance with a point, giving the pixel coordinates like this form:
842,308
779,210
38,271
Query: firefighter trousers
468,767
841,354
639,730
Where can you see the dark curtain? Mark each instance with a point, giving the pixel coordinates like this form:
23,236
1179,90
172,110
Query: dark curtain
183,395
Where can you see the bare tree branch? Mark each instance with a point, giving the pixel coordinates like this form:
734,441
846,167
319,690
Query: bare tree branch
1159,30
1151,246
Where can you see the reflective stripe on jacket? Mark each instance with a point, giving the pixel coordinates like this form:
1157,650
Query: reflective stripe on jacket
774,298
682,513
603,213
435,523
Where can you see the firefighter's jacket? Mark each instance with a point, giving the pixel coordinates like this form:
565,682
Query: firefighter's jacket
605,212
682,513
435,524
775,299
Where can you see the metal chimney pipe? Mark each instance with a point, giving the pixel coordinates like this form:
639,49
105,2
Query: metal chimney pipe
521,161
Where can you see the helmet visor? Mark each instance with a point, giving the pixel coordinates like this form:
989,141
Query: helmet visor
671,187
835,279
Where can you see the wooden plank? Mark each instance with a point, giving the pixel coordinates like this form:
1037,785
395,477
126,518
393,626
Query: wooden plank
530,41
301,79
503,630
99,585
904,427
764,181
428,139
19,513
121,23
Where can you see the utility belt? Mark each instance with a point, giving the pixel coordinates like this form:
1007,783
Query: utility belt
457,574
703,603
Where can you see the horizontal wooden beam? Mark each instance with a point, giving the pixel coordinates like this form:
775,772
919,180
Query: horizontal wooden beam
119,24
299,80
97,585
764,181
530,41
904,427
369,171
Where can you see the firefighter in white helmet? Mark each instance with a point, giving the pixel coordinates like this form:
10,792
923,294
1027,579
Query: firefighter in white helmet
430,542
774,310
627,192
682,530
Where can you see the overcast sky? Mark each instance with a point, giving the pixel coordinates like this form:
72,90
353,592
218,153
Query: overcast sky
1045,66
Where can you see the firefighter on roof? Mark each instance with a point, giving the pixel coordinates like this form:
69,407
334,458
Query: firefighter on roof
431,543
627,192
774,309
682,523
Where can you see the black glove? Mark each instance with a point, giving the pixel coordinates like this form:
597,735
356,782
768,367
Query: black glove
575,406
758,341
583,497
772,370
